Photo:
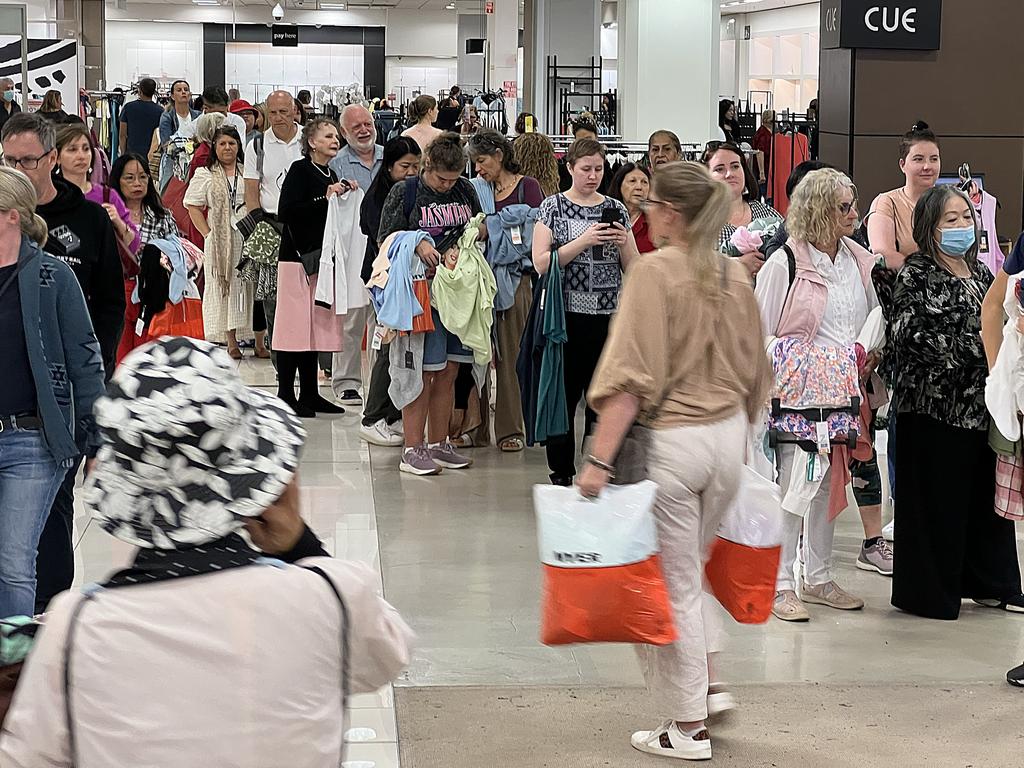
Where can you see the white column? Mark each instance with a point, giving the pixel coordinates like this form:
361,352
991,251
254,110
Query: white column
669,61
503,51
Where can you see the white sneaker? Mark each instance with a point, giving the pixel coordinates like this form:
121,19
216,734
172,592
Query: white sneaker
889,531
380,434
720,700
398,428
669,741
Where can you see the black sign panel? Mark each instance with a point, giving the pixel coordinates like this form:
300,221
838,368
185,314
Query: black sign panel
905,25
284,35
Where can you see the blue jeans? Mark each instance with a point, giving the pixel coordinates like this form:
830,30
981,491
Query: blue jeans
29,479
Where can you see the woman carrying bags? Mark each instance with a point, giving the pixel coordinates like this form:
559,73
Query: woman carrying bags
685,358
302,329
591,235
218,188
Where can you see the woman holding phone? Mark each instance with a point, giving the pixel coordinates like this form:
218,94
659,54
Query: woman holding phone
591,235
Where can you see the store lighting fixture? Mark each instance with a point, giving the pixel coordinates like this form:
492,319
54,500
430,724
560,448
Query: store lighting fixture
450,7
205,2
333,6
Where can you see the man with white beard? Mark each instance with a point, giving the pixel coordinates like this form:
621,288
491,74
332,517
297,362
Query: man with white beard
359,161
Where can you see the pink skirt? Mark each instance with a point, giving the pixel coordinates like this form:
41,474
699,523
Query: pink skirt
300,325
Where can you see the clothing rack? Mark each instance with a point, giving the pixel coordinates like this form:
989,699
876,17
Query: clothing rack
101,112
583,81
791,123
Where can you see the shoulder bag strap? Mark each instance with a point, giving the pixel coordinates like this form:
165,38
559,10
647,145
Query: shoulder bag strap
895,225
791,263
345,660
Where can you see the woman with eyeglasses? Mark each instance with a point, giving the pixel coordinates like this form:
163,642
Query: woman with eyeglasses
816,319
728,164
951,544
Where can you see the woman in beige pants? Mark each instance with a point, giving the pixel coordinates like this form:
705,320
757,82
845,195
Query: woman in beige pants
685,358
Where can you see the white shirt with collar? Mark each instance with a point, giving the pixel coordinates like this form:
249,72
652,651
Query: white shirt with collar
278,156
848,303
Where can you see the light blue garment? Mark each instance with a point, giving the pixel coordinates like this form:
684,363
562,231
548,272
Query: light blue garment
507,259
398,304
175,252
168,127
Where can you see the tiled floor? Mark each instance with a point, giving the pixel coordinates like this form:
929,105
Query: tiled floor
458,557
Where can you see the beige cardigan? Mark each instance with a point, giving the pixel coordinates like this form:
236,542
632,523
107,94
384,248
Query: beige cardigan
240,668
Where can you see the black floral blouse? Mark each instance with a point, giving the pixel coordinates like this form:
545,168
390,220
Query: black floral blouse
939,366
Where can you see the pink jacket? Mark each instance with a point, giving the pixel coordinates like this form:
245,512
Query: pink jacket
802,313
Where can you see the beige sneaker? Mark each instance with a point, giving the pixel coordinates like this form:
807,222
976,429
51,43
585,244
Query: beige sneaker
832,595
788,607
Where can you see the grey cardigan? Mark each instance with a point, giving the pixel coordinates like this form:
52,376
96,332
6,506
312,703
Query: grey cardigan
63,351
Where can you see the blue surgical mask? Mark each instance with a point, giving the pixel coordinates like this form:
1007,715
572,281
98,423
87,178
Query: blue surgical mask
957,242
9,95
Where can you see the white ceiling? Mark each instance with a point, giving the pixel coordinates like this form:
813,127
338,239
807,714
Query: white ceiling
732,7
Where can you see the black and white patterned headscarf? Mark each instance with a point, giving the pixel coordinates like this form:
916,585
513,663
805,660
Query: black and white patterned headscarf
190,451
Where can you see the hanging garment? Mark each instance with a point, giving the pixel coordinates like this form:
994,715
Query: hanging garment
391,289
509,241
552,411
788,151
464,294
989,252
341,256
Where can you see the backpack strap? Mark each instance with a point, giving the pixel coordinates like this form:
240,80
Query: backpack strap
410,196
257,144
791,263
521,193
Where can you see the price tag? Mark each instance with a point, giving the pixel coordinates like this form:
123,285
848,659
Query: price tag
813,469
821,429
140,327
378,338
517,235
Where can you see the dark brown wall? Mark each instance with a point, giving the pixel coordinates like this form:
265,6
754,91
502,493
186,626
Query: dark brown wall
965,91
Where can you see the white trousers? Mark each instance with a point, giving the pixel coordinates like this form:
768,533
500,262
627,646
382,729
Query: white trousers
698,471
818,532
347,365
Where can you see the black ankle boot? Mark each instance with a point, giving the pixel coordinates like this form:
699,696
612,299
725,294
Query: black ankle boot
301,410
320,404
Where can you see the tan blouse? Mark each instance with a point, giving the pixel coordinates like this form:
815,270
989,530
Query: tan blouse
895,205
690,358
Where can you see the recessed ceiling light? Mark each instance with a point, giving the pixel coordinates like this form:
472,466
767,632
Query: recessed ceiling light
333,6
450,7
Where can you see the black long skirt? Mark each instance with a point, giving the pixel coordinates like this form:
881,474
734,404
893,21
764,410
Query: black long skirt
949,543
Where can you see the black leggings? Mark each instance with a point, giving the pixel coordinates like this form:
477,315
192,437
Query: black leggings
259,317
586,337
288,363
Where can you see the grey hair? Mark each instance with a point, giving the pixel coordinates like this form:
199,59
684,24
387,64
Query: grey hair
928,215
208,124
31,122
6,81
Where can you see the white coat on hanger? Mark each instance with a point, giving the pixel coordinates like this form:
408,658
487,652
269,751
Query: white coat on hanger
341,256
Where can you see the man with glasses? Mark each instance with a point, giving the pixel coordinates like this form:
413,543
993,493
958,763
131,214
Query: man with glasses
80,234
267,160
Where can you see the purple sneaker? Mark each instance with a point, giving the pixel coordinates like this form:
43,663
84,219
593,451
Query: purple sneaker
445,455
418,461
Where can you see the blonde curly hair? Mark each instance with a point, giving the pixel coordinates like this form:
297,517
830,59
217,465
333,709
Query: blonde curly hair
812,216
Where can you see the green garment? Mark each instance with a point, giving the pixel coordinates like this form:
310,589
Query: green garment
464,296
552,415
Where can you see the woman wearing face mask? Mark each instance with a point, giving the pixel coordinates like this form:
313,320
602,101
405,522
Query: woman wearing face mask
890,219
301,328
631,186
218,188
593,256
381,419
74,156
510,199
685,357
728,164
824,307
178,115
950,543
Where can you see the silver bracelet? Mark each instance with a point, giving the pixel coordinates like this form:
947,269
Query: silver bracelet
609,468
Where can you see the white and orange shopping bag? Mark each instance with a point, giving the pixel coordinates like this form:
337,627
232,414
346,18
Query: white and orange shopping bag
744,561
602,573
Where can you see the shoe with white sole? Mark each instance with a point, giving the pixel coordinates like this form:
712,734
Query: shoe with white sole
787,607
445,455
417,461
720,700
380,434
351,398
877,557
398,428
669,741
832,595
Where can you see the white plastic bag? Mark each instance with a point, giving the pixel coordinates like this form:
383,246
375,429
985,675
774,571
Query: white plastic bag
602,572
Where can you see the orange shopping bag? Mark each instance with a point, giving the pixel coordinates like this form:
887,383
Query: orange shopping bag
183,319
602,574
425,322
744,560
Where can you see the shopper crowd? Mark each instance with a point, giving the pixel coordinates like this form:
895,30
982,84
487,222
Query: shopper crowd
473,269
